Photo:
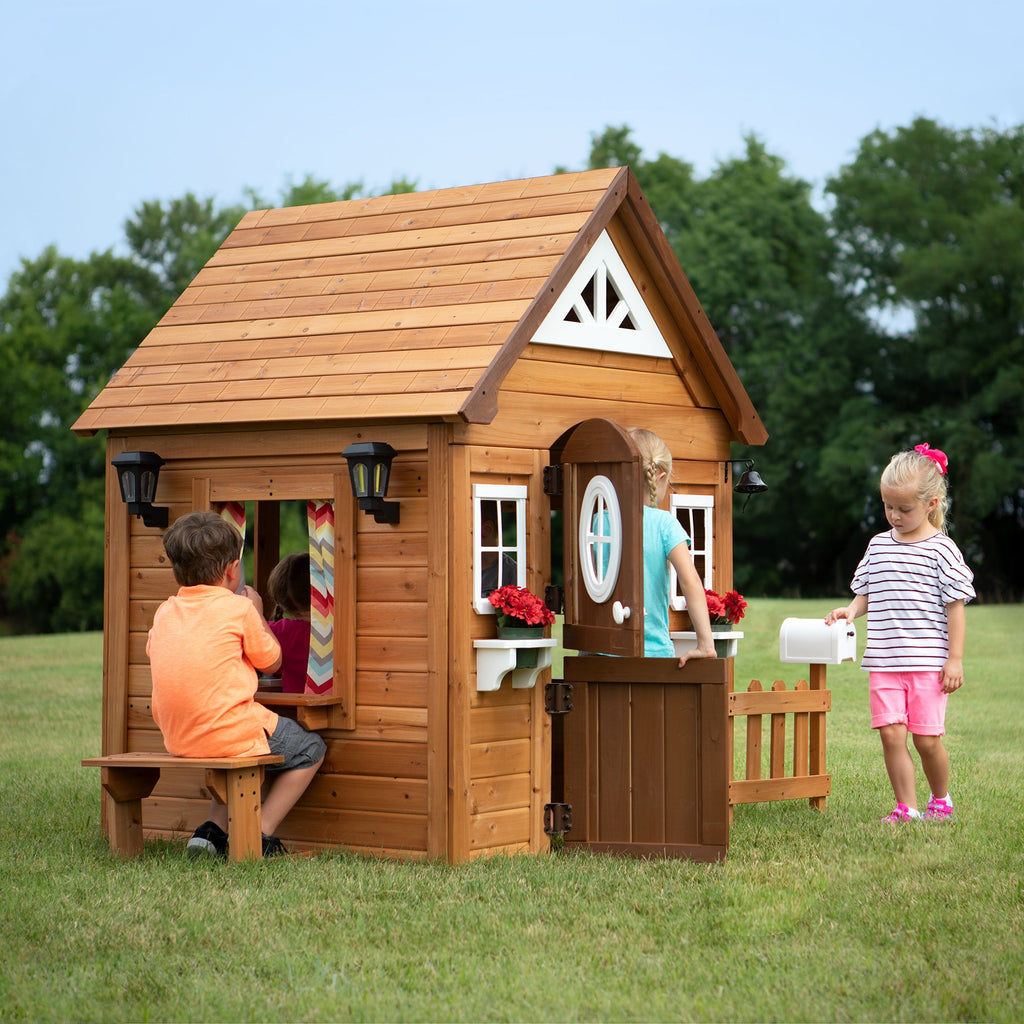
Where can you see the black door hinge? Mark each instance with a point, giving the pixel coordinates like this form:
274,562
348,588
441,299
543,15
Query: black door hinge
558,697
557,819
554,598
553,480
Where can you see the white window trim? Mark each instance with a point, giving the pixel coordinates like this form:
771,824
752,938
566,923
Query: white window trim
498,492
600,530
694,504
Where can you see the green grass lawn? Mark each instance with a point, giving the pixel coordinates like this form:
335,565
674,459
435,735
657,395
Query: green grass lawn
812,916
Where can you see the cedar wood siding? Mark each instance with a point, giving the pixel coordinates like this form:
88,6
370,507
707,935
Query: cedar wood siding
408,319
373,792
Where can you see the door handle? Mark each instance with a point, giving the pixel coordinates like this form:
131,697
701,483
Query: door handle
620,613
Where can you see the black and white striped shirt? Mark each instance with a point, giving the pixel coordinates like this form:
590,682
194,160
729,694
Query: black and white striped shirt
908,587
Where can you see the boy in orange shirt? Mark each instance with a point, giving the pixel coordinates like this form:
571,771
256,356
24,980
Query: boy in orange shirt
205,647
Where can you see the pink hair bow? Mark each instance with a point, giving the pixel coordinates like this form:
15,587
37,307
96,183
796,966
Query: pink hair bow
939,458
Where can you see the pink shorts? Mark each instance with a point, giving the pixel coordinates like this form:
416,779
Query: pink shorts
913,699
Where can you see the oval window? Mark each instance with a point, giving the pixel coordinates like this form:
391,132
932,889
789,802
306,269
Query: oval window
600,539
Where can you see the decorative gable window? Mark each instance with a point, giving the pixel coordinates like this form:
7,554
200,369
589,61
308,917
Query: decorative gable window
601,308
499,540
696,514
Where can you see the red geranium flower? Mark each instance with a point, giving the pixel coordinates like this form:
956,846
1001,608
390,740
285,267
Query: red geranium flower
519,604
729,607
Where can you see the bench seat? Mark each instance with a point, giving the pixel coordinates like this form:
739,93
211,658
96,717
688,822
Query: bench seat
235,781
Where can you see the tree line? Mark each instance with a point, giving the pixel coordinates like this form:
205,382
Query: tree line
889,315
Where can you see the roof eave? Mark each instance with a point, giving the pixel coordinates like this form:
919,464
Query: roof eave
708,351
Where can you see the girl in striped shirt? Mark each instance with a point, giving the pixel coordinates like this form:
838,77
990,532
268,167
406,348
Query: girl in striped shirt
913,583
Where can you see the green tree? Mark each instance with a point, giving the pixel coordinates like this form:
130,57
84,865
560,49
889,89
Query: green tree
173,242
55,582
760,258
930,222
65,327
667,181
65,324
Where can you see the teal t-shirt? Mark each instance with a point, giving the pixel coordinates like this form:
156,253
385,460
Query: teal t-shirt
662,533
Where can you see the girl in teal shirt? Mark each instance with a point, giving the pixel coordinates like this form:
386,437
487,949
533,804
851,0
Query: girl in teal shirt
665,542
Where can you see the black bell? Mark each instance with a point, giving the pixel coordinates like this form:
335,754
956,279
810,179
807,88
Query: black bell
750,482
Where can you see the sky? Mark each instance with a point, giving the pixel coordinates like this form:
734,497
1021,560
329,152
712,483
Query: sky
105,104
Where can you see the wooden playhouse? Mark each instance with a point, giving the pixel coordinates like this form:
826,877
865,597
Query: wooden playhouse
496,337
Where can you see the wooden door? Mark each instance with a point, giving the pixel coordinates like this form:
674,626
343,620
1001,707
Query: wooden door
603,539
644,749
646,769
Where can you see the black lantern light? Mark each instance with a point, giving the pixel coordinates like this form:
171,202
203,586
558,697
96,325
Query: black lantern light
137,474
750,481
369,469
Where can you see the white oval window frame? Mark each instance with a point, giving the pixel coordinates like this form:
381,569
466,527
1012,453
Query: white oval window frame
598,498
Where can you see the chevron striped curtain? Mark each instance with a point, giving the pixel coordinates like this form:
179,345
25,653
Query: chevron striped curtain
320,668
233,512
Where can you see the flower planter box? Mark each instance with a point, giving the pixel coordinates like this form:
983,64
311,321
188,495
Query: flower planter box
726,642
496,658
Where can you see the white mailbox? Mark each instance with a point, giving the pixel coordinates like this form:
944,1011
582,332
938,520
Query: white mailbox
811,642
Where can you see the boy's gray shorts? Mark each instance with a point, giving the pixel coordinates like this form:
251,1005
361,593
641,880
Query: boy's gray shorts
299,747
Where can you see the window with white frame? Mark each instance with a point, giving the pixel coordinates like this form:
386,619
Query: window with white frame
499,540
695,513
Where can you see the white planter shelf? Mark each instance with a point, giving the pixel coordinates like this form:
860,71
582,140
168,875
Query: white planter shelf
496,658
686,641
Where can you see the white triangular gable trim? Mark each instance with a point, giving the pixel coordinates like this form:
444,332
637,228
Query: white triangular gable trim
608,319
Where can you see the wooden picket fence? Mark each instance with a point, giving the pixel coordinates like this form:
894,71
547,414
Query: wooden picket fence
794,773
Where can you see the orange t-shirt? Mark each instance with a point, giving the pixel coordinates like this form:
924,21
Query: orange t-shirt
204,648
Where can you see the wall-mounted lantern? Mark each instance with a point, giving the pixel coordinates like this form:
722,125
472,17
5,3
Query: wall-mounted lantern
750,481
369,469
137,474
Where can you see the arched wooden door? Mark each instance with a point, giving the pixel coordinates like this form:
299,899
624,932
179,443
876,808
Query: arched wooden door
642,747
603,539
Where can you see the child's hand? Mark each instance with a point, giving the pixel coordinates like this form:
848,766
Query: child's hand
254,597
698,652
952,675
838,613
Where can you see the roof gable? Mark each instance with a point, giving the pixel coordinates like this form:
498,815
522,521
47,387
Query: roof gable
601,308
411,306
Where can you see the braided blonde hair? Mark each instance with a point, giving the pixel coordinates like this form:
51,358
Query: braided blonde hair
655,458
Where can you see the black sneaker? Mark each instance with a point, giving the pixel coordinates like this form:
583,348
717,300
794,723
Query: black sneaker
208,840
273,847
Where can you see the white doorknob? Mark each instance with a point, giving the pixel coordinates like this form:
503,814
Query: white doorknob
619,613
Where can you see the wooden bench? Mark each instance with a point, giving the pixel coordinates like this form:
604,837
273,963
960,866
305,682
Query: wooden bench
235,781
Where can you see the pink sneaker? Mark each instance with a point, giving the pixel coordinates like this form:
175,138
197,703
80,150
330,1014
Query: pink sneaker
939,810
901,812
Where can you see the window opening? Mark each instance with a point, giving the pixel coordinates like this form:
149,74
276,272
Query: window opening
695,513
499,541
316,537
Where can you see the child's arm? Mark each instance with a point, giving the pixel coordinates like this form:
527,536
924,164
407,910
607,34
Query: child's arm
696,603
854,610
953,670
257,603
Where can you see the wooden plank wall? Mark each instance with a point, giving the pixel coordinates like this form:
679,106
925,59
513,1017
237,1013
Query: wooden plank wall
547,391
373,791
501,740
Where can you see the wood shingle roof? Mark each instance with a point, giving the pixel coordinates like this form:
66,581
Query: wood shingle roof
405,306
